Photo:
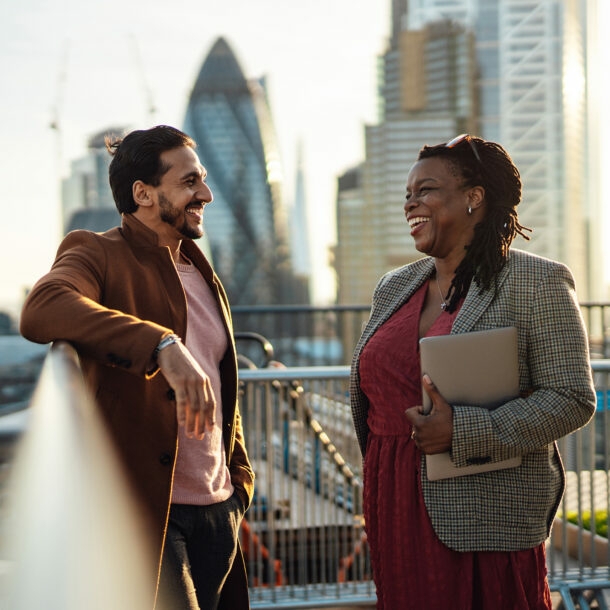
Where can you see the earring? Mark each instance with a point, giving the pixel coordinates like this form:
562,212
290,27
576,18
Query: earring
469,211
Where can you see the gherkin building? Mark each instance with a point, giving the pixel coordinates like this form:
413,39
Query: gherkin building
246,229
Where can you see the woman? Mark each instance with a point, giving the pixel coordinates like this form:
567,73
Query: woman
474,541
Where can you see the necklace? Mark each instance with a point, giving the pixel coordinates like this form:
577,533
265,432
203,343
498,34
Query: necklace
444,303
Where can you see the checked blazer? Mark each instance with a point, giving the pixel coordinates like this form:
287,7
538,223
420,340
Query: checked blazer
511,509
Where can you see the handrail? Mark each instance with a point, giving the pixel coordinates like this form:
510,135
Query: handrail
72,538
600,365
263,343
295,372
296,394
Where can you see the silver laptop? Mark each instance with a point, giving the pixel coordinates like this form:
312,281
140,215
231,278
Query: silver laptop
480,368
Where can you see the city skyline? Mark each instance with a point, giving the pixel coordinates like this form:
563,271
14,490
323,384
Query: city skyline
246,234
87,72
512,72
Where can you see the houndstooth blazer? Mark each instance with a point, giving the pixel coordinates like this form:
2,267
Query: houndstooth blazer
509,509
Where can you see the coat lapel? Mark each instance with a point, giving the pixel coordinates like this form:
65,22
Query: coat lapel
396,291
400,285
477,302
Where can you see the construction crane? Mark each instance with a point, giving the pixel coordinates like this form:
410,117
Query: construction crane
150,105
56,110
61,84
56,118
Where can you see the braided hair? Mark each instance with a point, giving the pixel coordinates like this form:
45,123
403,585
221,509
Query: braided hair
486,164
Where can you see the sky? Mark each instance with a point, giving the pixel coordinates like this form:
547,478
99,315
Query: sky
103,63
89,66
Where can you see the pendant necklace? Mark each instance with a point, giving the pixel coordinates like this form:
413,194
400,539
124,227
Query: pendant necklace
444,303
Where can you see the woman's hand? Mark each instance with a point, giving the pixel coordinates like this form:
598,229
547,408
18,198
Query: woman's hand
432,432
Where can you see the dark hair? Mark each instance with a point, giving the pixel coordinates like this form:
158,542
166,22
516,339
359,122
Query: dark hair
137,156
495,171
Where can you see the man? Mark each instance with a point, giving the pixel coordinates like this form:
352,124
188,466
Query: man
152,326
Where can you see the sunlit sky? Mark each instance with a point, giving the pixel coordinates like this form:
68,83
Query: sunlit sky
99,64
319,58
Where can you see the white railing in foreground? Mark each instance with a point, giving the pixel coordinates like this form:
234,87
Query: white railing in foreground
71,537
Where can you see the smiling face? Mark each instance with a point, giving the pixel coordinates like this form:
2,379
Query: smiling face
174,208
436,208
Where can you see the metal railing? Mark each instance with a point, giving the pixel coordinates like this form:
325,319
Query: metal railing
307,516
70,536
597,320
578,557
304,335
304,540
68,526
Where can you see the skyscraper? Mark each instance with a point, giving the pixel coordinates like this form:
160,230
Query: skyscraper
526,62
427,94
246,225
299,232
352,266
531,56
87,201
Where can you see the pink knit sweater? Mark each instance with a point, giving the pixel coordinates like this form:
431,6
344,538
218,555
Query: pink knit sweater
201,475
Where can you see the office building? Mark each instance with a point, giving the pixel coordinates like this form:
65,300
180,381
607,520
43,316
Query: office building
532,62
86,197
299,234
427,94
246,226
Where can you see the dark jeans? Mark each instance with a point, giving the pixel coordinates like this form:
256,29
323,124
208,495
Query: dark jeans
200,546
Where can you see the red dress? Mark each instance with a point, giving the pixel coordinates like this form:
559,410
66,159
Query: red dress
412,568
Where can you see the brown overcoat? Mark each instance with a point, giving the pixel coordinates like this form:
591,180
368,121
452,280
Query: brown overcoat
113,295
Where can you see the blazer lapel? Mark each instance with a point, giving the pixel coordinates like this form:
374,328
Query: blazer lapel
397,290
477,302
403,283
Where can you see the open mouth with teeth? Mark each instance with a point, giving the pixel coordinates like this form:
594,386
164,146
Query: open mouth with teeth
417,220
195,210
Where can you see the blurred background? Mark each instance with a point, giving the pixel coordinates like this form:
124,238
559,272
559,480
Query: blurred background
70,73
343,94
308,116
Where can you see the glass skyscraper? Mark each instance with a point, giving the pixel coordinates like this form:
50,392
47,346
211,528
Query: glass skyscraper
531,57
525,61
246,226
427,94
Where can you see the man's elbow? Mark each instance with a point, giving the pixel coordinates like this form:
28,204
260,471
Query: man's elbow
31,327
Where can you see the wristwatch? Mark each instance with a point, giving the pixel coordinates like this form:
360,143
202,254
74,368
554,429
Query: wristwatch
166,341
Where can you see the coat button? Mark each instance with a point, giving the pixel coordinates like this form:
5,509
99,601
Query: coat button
165,459
171,395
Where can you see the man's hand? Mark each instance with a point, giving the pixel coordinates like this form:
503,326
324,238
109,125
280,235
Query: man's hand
433,432
195,403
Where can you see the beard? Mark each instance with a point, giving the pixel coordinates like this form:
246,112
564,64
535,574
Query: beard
176,218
